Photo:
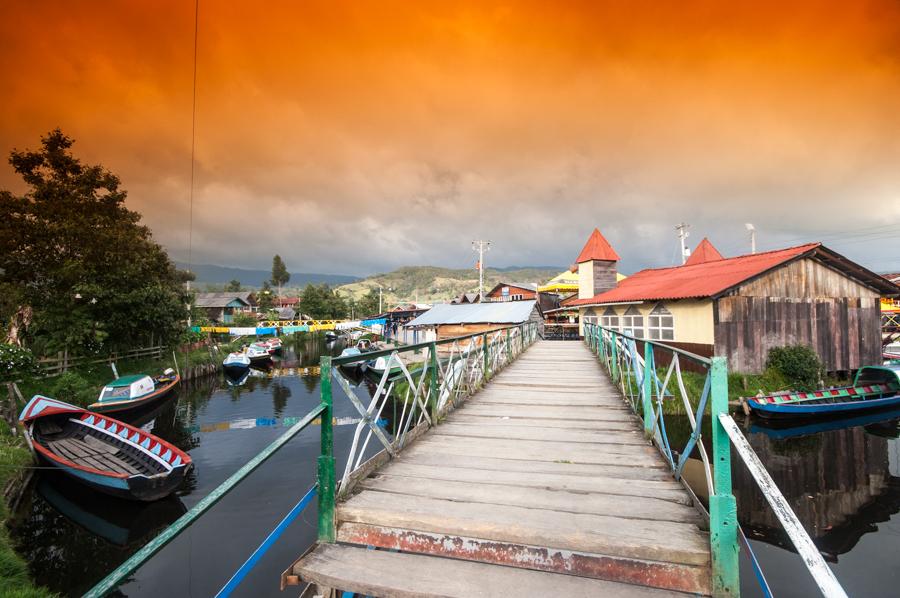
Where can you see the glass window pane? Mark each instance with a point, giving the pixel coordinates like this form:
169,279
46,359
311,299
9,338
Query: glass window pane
668,334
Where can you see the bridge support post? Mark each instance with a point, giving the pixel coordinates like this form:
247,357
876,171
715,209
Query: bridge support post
723,524
484,352
433,394
614,362
647,391
326,458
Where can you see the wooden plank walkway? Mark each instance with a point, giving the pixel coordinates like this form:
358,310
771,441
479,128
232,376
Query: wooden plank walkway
543,478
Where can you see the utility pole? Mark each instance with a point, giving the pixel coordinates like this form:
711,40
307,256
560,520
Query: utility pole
481,247
752,230
683,234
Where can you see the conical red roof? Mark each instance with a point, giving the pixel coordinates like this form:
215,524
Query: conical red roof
597,248
705,252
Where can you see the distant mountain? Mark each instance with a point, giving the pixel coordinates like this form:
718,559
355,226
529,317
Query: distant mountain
432,284
208,274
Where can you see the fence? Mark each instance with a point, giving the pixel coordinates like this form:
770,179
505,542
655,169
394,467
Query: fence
646,389
452,370
55,366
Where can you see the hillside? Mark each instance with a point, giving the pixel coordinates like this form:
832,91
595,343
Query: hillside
431,284
208,274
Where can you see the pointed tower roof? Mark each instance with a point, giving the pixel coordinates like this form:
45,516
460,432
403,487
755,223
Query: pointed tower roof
597,248
705,252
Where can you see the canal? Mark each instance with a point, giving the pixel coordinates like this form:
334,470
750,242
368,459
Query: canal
841,478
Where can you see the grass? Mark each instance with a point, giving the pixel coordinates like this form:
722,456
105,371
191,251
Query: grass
14,579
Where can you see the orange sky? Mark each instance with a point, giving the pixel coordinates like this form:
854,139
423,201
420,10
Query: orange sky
375,134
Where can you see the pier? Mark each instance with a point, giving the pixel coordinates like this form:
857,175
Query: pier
541,482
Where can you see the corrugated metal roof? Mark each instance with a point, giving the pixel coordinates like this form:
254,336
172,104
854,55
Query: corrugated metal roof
705,252
220,299
699,280
507,312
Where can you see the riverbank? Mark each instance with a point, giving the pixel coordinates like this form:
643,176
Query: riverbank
14,578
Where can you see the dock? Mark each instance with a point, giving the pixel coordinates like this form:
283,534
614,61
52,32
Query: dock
542,483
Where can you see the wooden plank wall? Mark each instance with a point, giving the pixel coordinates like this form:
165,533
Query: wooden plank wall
604,276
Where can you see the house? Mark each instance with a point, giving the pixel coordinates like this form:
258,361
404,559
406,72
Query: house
743,306
449,320
221,307
291,302
466,298
512,291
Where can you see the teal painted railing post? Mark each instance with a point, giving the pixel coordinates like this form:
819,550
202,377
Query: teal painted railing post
484,353
647,391
508,348
614,362
326,458
722,507
433,395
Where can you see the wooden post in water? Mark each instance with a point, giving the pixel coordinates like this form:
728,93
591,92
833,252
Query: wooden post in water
647,390
722,507
326,458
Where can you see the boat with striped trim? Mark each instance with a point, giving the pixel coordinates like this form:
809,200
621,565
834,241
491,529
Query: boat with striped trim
874,387
103,453
129,393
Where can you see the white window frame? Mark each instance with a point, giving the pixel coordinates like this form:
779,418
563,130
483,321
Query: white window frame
610,319
633,322
660,324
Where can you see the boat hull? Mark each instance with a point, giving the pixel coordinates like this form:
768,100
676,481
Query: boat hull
236,370
821,410
132,405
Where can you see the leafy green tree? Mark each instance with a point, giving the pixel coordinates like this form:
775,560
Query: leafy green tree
87,273
234,286
280,274
264,299
312,302
367,305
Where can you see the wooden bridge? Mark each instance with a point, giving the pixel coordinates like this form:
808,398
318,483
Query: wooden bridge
540,484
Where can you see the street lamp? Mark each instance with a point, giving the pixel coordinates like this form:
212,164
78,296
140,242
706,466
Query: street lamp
752,230
380,291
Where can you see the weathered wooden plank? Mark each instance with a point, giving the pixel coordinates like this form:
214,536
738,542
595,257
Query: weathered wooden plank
433,457
545,412
629,507
543,450
545,434
403,575
651,540
610,483
565,424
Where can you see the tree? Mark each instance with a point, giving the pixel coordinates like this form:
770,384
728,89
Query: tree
280,274
86,274
368,304
234,286
265,300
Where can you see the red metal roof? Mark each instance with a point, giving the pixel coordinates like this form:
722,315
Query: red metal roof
597,248
705,252
699,280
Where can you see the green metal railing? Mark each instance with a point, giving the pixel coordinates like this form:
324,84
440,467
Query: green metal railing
646,390
429,379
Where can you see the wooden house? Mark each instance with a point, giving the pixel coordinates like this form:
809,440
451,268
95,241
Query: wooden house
743,306
512,291
221,307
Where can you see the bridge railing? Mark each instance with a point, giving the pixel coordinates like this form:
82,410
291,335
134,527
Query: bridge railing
647,382
428,379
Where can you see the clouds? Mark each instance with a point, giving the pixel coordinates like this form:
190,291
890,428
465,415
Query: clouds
365,136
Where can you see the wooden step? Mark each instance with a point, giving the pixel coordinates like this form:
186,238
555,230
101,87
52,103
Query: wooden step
402,575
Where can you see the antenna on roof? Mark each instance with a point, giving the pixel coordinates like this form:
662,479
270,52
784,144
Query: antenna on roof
683,234
752,230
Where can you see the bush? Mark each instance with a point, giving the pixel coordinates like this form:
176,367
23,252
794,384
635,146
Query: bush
73,388
799,364
244,320
17,363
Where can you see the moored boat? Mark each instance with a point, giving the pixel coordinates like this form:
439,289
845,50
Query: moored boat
102,452
134,392
257,354
236,364
272,345
874,387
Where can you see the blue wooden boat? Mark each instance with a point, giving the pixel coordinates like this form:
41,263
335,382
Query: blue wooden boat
874,387
129,393
104,453
236,364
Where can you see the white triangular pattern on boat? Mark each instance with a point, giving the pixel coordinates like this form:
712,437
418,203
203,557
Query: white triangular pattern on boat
146,443
156,449
101,425
90,420
135,438
177,461
112,428
167,455
124,432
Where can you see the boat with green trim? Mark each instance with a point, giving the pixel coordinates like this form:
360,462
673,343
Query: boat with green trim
874,387
134,392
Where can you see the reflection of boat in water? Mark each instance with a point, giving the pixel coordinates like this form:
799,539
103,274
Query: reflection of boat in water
238,379
123,523
780,429
874,387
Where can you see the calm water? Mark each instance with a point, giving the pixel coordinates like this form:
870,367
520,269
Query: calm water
843,481
73,536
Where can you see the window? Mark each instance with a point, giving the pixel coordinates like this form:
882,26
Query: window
661,325
590,316
610,319
633,322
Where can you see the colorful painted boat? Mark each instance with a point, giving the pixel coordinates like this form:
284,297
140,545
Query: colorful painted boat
874,387
129,393
103,453
236,364
272,345
258,354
